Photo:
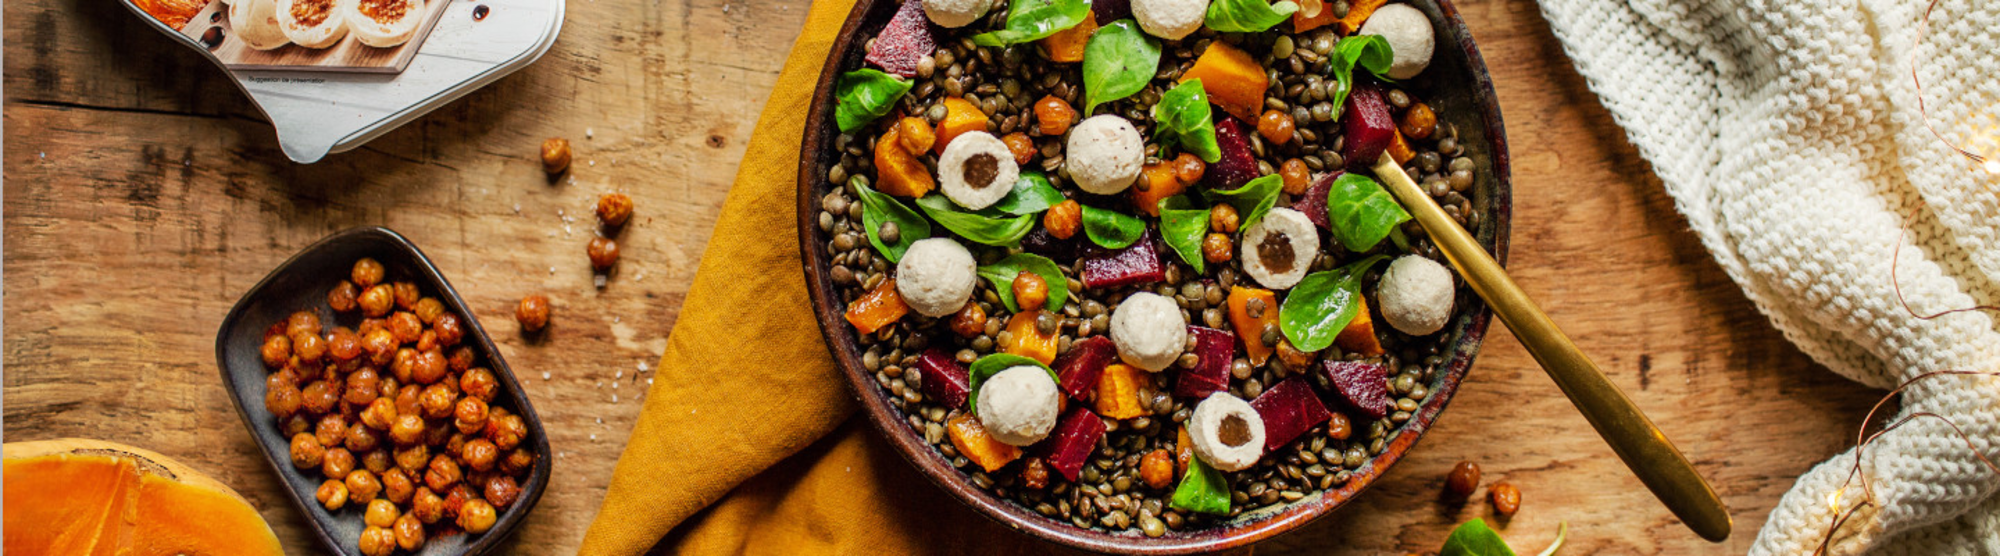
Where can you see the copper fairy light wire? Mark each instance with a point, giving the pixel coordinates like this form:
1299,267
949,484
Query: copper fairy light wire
1990,165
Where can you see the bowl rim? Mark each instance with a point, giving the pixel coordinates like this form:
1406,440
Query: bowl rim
818,134
531,493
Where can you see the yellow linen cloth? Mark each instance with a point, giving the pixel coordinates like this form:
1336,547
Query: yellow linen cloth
749,441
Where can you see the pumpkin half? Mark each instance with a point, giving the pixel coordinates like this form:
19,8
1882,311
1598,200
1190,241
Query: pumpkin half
90,497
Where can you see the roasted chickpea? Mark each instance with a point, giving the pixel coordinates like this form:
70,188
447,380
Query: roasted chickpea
409,533
461,358
377,301
377,541
426,505
430,367
380,415
377,460
381,513
307,452
407,294
380,345
614,209
469,415
603,253
406,326
480,454
455,500
362,440
277,350
506,432
437,436
362,486
476,516
306,322
480,383
337,463
1505,497
308,346
1030,291
427,341
320,397
1464,479
407,400
389,387
438,401
1020,146
1189,168
502,491
969,321
1216,248
518,462
449,330
332,494
1054,116
1297,178
428,309
455,447
409,429
442,473
533,312
1035,474
1339,428
1223,218
404,365
331,430
555,155
397,486
343,344
1157,469
367,273
1064,219
297,425
343,297
1276,126
363,386
412,459
282,400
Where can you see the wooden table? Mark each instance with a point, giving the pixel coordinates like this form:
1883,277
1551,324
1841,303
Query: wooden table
143,195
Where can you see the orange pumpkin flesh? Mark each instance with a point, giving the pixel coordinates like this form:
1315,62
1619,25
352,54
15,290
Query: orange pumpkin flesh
88,497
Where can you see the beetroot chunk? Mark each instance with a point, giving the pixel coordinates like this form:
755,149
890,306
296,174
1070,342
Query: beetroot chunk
1040,242
1108,11
1217,349
1074,439
1082,364
1368,126
1138,263
1313,203
906,39
1237,166
1289,410
1361,386
945,379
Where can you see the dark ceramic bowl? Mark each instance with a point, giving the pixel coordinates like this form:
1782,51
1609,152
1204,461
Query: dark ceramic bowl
301,284
1455,85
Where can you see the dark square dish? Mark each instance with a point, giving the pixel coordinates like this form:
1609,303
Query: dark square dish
301,283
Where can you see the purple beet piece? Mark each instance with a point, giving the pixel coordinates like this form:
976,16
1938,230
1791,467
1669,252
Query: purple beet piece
1040,242
1368,126
1111,10
1073,440
1138,263
1082,364
1361,386
1237,165
945,379
1313,203
1217,349
1289,410
906,39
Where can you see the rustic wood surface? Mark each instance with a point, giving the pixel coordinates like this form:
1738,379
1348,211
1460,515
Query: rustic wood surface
143,194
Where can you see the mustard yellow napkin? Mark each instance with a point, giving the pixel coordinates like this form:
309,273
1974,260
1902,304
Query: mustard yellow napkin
749,441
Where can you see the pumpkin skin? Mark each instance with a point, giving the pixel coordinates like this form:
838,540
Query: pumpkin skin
75,496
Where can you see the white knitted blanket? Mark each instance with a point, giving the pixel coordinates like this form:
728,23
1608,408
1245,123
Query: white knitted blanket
1788,133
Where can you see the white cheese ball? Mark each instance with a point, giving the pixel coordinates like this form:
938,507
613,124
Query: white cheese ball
1104,154
1228,434
1409,35
955,13
1279,250
1149,331
1018,406
1416,295
936,276
1169,19
976,170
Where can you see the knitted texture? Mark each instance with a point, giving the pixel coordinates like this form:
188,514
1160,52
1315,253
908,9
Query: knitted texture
1788,133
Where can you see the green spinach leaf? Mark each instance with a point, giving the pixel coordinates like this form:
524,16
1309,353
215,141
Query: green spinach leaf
1203,490
1253,199
1119,60
986,227
876,208
1368,52
1029,20
1361,212
1184,119
1111,229
1247,16
991,365
1474,538
1183,227
1032,194
1322,304
1002,274
863,95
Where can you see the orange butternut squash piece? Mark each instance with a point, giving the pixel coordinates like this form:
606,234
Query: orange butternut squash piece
1067,45
915,134
1183,452
1399,148
1357,13
897,172
1118,392
878,308
1233,80
960,117
1028,341
1359,336
1157,181
90,497
1325,17
972,441
1250,329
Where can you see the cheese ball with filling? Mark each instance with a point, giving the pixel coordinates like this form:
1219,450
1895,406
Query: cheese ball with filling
1019,405
1416,295
1104,154
976,170
1409,35
1228,434
1279,249
1149,331
936,276
1169,19
956,13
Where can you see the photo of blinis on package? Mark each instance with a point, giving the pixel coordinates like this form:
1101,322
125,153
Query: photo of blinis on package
334,74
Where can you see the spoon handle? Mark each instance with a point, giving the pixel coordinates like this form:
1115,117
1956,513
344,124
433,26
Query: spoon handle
1641,445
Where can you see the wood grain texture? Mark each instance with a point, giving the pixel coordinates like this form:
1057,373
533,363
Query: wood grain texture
143,195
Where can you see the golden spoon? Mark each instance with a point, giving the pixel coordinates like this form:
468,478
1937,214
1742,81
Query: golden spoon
1641,445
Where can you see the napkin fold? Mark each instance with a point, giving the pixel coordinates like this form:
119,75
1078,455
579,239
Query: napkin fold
749,440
